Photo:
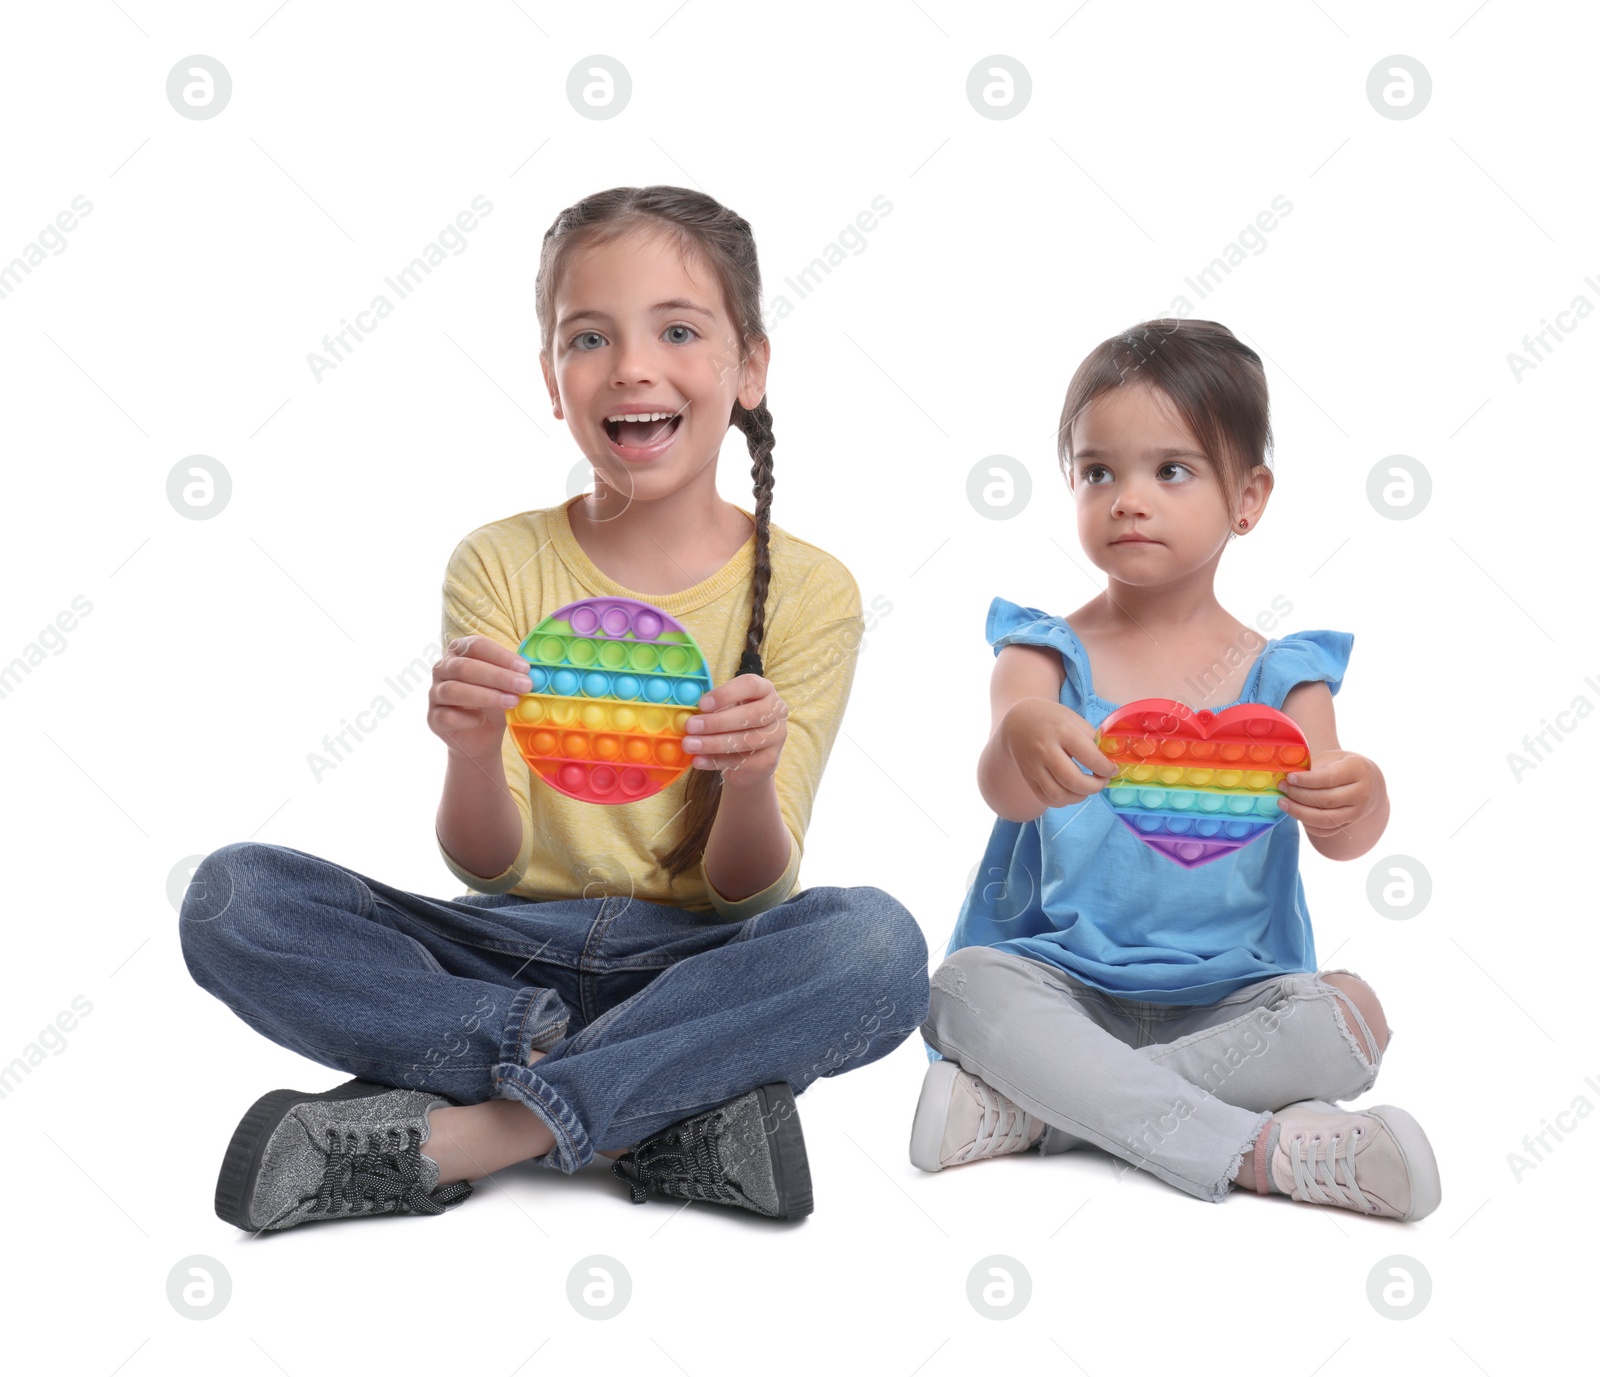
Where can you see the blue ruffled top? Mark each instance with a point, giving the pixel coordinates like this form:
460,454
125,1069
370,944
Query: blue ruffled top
1077,889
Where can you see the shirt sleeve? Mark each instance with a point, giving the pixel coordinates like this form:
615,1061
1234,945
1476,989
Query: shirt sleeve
477,603
1011,624
1306,657
812,668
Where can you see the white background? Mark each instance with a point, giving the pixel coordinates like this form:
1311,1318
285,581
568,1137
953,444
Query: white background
179,713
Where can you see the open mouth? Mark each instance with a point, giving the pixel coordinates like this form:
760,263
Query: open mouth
642,435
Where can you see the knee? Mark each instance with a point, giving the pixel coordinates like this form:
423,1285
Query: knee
1362,996
888,953
972,984
217,897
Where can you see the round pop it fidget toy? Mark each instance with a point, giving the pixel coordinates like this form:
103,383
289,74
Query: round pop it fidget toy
1195,786
615,681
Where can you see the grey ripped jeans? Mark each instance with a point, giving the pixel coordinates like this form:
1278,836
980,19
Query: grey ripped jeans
1179,1090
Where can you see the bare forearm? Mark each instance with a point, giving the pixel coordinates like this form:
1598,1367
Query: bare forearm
478,822
749,843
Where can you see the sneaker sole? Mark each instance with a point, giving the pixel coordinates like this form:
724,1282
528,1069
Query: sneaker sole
933,1110
241,1164
1422,1168
791,1172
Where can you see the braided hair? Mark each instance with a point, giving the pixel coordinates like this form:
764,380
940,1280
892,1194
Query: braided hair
705,227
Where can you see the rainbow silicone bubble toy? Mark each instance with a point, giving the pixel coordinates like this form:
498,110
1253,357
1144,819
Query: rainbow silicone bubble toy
1197,786
615,681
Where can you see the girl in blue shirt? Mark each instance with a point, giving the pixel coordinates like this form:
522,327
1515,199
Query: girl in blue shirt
1096,992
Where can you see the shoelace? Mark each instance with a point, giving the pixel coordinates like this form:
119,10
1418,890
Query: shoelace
1309,1161
382,1177
681,1161
1017,1124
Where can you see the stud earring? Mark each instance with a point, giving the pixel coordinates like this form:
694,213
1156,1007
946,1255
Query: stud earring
1244,523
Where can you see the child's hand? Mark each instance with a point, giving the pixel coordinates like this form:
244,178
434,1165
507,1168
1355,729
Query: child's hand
740,730
1338,790
1044,740
473,684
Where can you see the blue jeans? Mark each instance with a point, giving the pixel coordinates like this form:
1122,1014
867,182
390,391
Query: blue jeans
1179,1090
646,1013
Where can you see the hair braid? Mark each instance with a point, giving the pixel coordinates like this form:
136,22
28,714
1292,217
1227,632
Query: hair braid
756,423
705,786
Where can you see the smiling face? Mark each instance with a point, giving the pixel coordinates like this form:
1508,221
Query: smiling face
640,332
1151,505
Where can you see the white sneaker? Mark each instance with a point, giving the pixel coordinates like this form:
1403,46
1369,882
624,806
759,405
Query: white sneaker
1376,1161
961,1118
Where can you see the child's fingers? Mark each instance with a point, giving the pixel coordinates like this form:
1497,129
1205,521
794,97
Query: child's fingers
1318,819
757,715
1044,785
742,688
1091,755
459,693
1059,782
459,719
507,673
1330,774
1079,784
731,743
718,762
490,652
1335,796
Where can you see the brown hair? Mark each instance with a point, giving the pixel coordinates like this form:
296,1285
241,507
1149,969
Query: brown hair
703,228
1213,380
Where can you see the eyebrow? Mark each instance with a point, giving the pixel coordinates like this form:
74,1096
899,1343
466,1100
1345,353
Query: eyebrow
1164,453
675,304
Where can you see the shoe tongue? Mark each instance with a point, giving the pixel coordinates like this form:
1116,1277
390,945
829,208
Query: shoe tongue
1327,1167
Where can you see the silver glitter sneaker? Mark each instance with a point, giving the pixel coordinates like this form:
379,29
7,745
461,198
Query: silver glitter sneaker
749,1153
353,1151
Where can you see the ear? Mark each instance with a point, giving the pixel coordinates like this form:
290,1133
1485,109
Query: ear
753,374
550,384
1253,496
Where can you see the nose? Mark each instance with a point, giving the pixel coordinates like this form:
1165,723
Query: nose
1130,500
632,362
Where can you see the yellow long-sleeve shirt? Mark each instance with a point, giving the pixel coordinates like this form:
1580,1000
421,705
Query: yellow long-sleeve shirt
506,577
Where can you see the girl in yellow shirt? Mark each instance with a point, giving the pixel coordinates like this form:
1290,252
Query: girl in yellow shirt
638,980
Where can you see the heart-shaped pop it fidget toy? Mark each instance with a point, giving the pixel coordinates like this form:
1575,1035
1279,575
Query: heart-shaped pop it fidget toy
615,681
1196,786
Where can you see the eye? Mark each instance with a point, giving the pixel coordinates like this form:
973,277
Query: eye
583,335
1174,464
685,328
1092,469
